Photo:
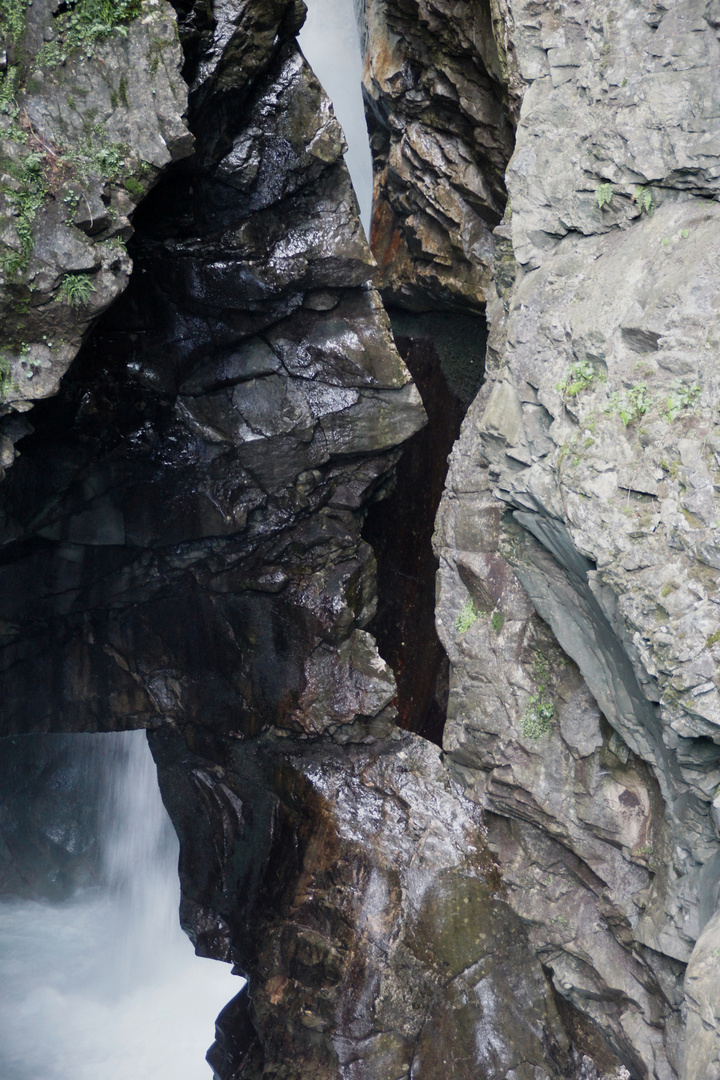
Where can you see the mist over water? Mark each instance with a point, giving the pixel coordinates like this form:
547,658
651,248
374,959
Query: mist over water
330,40
106,986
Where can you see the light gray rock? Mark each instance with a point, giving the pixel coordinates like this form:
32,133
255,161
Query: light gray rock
584,489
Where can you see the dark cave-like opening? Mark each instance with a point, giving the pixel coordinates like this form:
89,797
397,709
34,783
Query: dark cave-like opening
445,353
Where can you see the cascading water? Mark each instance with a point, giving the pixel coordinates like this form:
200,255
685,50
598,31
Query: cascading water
330,40
105,985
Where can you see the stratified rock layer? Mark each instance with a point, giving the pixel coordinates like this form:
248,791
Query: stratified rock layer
583,489
441,122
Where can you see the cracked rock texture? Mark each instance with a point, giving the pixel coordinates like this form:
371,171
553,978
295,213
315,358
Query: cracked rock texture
353,885
182,532
583,490
90,116
441,120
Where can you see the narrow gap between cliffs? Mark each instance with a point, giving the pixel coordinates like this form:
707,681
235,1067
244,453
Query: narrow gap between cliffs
445,353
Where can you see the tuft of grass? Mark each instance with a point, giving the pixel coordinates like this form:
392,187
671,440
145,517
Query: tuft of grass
76,289
497,621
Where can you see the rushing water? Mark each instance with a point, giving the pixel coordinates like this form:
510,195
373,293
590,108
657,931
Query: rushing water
106,986
330,40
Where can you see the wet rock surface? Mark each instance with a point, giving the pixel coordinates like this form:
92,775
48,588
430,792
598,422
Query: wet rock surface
354,887
182,543
210,451
444,352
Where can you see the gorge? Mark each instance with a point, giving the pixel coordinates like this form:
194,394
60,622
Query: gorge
440,742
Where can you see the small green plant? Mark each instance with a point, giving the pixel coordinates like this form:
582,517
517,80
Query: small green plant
538,717
497,621
76,289
5,375
26,198
713,639
631,404
681,397
12,19
8,90
603,195
467,617
643,198
83,23
134,188
539,712
581,375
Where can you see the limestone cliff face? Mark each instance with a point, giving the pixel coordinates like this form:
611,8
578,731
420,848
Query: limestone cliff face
583,491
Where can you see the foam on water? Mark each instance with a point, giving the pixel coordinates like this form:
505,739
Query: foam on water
106,986
330,40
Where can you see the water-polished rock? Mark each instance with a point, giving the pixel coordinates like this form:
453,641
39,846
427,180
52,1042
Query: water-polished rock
353,885
180,535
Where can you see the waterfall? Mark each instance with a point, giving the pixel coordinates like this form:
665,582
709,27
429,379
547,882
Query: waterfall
105,985
330,40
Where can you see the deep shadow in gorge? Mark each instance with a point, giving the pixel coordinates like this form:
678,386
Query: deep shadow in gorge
211,450
444,352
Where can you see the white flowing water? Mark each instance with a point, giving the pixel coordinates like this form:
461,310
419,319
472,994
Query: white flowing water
106,986
330,40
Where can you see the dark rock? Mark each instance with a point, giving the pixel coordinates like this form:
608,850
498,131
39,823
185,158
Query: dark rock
441,125
355,890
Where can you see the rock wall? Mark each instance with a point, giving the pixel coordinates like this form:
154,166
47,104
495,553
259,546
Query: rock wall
353,886
181,533
441,108
91,111
583,491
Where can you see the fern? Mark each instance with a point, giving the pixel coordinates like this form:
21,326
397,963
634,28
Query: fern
603,195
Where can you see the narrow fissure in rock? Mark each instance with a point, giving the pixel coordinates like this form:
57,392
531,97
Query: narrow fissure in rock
444,352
